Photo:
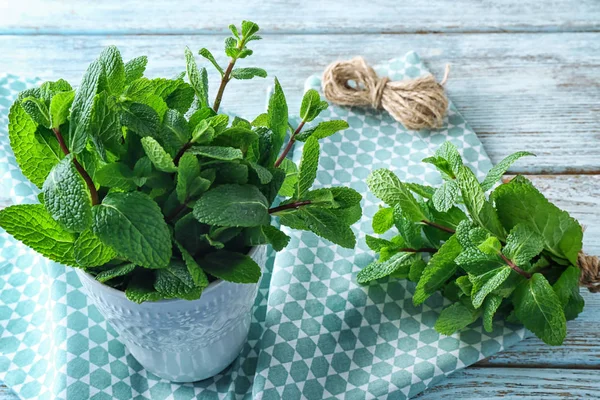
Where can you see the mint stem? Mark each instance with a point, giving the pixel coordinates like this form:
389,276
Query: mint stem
86,177
224,80
514,266
181,152
289,145
290,206
438,226
176,212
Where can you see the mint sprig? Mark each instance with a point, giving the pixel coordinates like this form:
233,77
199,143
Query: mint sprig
512,253
147,187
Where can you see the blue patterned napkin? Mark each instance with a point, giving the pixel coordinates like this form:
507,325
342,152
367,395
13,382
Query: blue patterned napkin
315,333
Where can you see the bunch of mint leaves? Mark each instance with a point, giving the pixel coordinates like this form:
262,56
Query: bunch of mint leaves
148,188
513,253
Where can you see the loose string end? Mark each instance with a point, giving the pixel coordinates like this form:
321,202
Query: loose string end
446,74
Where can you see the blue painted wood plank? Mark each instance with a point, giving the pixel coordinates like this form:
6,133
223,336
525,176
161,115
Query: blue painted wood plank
535,92
296,16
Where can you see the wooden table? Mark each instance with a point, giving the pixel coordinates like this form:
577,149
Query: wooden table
525,74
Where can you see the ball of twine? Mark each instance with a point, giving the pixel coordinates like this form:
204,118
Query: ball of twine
416,103
590,272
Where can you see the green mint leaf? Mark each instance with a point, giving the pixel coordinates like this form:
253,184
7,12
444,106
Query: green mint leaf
376,244
198,276
383,220
217,153
233,205
248,73
263,174
89,251
231,267
238,137
522,244
35,154
189,183
288,188
203,133
386,186
454,318
307,172
176,130
424,191
116,175
484,284
105,128
161,160
323,222
442,165
208,55
114,69
416,270
480,209
439,269
67,198
538,307
449,152
490,306
234,30
141,119
181,99
231,48
378,270
322,130
141,289
409,231
81,110
249,28
266,234
277,121
50,89
445,196
115,272
33,225
175,282
198,78
37,110
232,172
133,225
490,245
567,290
311,105
262,120
135,68
500,169
520,202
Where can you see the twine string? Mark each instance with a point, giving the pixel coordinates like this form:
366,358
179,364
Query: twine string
590,272
419,103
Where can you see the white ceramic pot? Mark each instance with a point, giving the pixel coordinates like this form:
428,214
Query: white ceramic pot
181,340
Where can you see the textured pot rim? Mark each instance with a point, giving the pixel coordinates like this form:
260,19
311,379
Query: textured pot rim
121,294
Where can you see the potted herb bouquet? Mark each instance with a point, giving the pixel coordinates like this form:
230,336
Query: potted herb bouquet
164,205
513,253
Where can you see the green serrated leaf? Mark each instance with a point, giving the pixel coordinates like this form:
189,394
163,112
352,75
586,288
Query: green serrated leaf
416,270
383,220
376,244
248,73
89,251
134,68
141,119
323,222
567,290
189,183
81,109
439,269
116,175
500,169
231,267
60,106
233,205
519,202
490,306
312,105
288,188
105,128
424,191
161,160
36,155
141,288
217,153
277,121
249,28
386,186
445,196
115,272
522,244
33,225
485,283
37,110
454,318
114,69
322,130
208,55
378,270
538,307
307,172
175,282
66,197
133,225
198,78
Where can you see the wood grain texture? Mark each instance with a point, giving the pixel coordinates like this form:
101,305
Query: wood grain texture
536,92
295,16
516,383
